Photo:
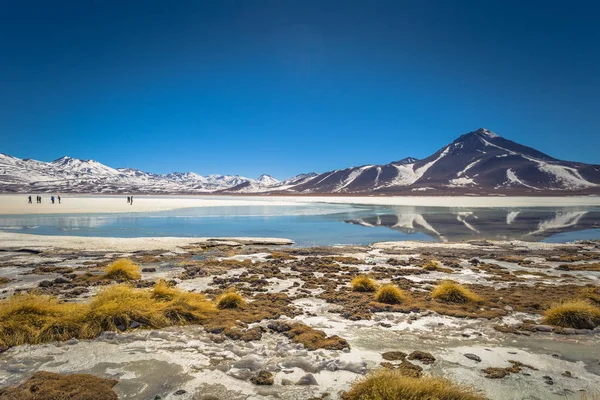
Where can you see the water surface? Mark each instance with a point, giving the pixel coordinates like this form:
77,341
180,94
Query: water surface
327,224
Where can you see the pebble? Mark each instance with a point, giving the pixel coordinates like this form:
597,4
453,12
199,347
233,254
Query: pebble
179,392
548,380
542,328
308,379
473,357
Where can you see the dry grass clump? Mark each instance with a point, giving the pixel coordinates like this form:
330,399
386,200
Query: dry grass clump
573,314
590,293
392,385
363,283
432,265
116,307
123,270
182,308
50,386
311,338
230,299
452,292
38,319
28,318
390,294
3,280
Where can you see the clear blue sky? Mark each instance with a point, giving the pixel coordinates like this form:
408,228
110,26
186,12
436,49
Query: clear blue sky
290,86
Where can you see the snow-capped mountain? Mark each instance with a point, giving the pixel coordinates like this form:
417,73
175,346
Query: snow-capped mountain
478,162
87,176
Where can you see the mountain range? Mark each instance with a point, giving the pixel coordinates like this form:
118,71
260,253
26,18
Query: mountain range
478,162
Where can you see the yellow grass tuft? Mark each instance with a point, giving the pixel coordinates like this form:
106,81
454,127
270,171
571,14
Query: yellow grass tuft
452,292
37,319
116,307
182,307
230,299
363,283
573,314
590,293
392,385
28,318
123,270
390,294
432,265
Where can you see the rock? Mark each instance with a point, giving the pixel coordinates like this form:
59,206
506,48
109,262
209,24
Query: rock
179,392
279,326
50,386
495,373
393,355
148,269
424,357
542,328
72,341
45,284
548,380
157,397
61,279
306,380
263,378
473,357
17,367
568,374
134,324
252,334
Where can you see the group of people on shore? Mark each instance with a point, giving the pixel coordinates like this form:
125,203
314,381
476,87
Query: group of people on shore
38,199
130,200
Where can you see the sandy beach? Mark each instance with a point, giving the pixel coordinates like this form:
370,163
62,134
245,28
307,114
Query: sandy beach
81,204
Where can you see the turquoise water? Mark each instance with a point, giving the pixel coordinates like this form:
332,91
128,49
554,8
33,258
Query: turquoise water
323,224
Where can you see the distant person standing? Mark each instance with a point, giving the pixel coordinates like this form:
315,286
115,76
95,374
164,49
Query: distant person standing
131,200
128,200
29,199
52,199
58,199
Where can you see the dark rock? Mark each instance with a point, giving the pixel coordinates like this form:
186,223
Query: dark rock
134,324
148,269
179,392
263,378
548,380
424,357
61,280
306,380
279,326
394,356
473,357
45,284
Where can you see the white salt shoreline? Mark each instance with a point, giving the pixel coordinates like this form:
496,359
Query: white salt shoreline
10,240
11,204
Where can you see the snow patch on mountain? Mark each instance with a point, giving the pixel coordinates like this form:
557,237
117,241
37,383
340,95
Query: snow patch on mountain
513,179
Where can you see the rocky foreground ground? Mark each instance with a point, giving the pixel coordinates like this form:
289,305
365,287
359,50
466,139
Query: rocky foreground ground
304,333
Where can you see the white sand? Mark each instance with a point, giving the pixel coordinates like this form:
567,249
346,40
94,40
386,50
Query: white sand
77,204
21,240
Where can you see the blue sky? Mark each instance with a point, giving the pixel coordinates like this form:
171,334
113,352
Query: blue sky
284,87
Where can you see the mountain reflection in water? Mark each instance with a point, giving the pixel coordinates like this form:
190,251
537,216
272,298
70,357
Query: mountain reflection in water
450,225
